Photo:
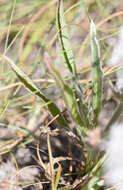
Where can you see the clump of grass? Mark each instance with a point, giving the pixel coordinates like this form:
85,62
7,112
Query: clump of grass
76,105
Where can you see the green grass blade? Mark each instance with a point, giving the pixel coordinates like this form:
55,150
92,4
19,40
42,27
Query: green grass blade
94,183
98,165
64,39
66,92
69,60
22,130
96,74
11,17
28,83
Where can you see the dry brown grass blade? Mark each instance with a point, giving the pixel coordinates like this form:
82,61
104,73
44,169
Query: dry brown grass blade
51,162
33,19
58,175
11,145
39,157
52,171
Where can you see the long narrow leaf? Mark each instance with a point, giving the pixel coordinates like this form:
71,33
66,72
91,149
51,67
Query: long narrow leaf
69,60
64,39
58,176
96,74
28,83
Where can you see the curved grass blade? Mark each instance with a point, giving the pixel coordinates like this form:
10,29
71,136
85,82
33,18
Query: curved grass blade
69,60
64,39
28,83
96,74
66,92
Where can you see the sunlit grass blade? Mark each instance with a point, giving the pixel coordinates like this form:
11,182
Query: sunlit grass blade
96,74
28,83
7,37
64,39
58,176
66,92
95,181
52,171
69,60
93,184
21,130
98,165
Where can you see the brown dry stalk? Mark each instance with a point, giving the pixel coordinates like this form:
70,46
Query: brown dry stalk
51,161
11,145
88,95
33,19
39,157
52,120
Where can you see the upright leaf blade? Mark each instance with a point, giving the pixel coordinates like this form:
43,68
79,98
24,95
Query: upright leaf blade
96,73
28,83
64,39
69,60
